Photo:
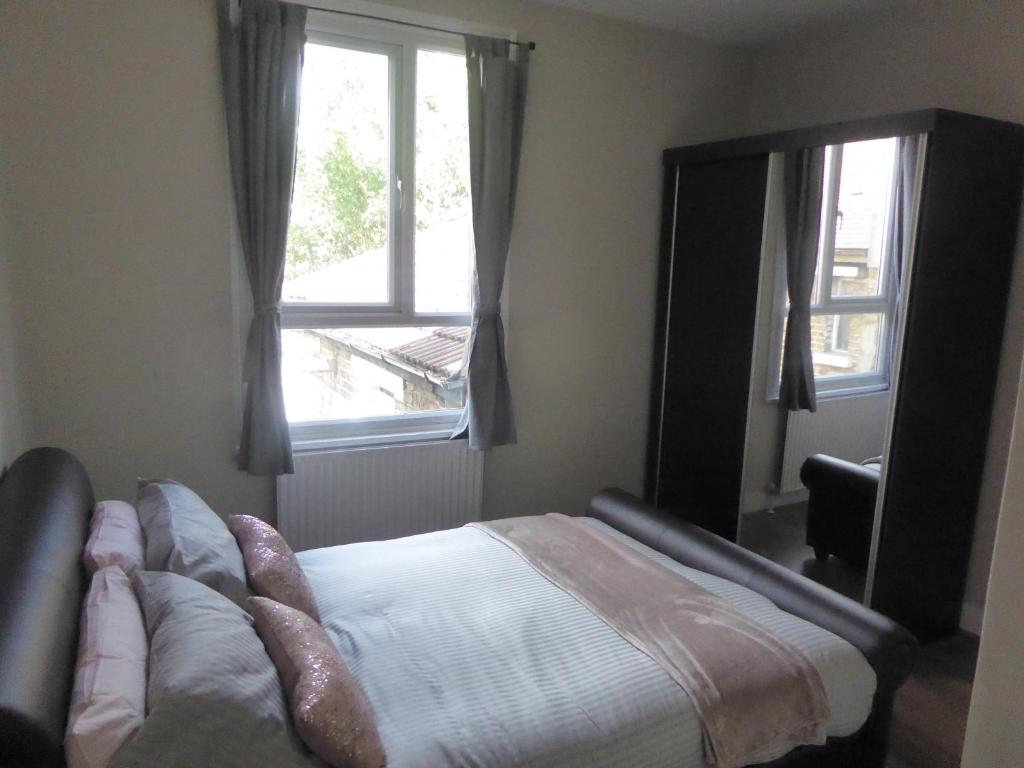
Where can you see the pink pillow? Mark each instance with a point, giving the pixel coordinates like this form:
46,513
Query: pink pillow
271,566
328,708
108,702
115,538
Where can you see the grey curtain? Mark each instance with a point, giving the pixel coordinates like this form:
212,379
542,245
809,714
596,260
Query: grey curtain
261,44
803,175
497,99
904,204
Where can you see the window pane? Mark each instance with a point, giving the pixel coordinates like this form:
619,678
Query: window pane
865,187
826,203
350,373
444,233
338,231
844,345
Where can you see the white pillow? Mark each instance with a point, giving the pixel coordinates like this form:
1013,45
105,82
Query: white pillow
215,700
186,537
108,702
115,538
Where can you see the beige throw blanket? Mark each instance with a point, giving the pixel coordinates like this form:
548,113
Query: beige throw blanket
752,690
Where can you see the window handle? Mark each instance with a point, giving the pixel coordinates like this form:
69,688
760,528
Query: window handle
401,195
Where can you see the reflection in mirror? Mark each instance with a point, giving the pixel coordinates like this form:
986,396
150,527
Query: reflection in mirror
811,478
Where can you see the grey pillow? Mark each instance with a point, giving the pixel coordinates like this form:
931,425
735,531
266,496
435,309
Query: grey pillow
185,536
213,696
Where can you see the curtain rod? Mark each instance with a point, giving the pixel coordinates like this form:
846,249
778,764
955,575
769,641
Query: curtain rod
531,45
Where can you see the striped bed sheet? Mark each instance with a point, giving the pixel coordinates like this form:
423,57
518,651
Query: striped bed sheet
471,658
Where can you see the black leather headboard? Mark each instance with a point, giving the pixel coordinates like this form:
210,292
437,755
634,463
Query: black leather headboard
45,503
886,645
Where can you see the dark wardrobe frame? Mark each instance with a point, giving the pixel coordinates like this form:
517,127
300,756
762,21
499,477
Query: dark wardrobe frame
711,235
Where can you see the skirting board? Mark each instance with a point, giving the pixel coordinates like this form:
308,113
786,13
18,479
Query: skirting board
759,501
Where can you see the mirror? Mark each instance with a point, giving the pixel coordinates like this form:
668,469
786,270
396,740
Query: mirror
810,483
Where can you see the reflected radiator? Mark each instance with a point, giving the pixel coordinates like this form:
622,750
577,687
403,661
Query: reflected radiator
851,428
338,497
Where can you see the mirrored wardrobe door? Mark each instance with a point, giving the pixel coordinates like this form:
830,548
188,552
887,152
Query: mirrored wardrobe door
811,471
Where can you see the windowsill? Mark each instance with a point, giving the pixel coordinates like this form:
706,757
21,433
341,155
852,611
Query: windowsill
841,392
834,359
867,389
374,441
379,432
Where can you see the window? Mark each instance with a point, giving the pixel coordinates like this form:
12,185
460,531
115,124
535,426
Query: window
376,295
853,300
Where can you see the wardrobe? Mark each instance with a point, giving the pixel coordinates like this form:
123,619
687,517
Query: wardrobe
942,387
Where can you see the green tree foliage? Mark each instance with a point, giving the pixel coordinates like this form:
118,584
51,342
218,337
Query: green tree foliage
349,201
355,194
340,205
441,164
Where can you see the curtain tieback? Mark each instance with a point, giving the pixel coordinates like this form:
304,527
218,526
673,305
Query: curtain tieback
272,308
487,314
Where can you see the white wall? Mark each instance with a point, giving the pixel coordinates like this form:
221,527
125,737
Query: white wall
996,721
995,725
12,438
114,133
122,240
957,55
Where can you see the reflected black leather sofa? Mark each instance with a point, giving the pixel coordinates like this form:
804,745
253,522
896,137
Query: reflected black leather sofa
841,508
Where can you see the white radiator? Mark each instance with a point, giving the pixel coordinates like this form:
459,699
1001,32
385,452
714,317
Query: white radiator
338,497
851,428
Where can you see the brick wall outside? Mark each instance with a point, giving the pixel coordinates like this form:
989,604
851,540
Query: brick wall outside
861,347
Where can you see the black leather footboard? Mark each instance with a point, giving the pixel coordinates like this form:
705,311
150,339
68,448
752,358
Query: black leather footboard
45,503
887,646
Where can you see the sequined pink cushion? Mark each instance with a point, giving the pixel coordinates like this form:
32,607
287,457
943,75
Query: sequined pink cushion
328,708
271,566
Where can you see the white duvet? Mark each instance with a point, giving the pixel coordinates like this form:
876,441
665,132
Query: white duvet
471,658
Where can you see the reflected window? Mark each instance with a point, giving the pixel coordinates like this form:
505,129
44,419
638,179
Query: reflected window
853,302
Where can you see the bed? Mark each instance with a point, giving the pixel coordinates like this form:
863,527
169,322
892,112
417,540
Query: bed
45,502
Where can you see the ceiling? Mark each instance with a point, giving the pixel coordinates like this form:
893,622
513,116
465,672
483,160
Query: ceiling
739,22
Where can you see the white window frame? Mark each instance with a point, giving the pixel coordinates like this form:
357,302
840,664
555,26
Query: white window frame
400,43
824,303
